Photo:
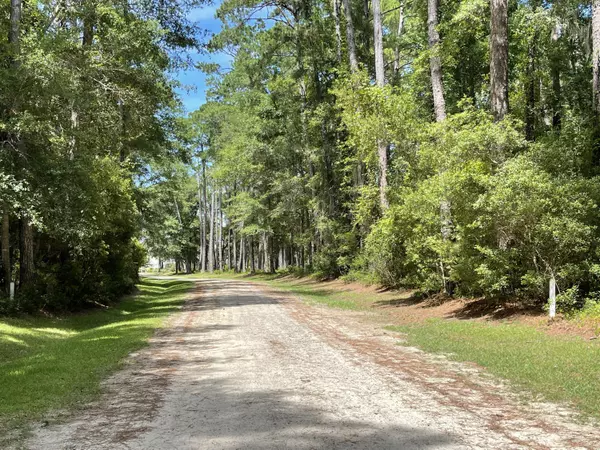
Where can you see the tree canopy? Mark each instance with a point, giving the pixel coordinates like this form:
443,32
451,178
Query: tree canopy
451,146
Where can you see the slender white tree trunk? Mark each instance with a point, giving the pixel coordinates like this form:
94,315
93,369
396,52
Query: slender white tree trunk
338,30
202,225
211,239
220,244
206,213
596,55
380,80
235,260
435,62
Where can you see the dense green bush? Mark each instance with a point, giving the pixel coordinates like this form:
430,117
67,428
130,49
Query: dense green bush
518,216
76,279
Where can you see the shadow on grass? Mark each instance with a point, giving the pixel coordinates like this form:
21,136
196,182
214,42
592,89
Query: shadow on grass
496,310
493,309
407,299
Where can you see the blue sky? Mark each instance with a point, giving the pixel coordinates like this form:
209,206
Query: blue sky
194,78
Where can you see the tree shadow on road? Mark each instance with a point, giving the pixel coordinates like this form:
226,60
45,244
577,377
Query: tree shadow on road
218,413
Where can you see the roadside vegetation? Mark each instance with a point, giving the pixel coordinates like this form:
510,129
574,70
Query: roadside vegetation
88,109
446,146
559,368
54,363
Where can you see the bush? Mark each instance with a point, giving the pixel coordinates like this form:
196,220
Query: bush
77,278
515,220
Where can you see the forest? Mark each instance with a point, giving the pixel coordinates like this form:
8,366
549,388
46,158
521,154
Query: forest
447,146
88,107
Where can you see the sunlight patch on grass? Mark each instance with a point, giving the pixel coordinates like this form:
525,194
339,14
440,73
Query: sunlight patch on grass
55,363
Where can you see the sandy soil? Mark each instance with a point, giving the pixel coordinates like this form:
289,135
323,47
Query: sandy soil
245,367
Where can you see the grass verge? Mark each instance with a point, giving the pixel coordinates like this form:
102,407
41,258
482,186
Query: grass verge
57,363
560,368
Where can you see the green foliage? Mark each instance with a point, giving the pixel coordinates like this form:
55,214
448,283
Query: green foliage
87,108
475,208
280,167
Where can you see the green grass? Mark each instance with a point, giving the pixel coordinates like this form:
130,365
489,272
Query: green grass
57,363
563,369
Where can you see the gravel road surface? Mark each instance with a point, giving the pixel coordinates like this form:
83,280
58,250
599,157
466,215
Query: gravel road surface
244,367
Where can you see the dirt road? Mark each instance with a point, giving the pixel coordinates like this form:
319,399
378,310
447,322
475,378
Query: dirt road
241,367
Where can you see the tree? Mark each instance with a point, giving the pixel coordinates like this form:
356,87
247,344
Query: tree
350,40
380,80
88,106
435,62
596,55
499,58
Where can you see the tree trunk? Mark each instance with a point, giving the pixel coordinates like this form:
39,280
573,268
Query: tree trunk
267,255
556,97
211,239
380,80
596,79
378,44
242,254
596,55
26,234
338,32
206,212
435,62
89,22
220,203
439,109
236,267
252,261
367,20
6,250
229,248
292,252
531,81
16,9
259,255
177,211
499,58
26,262
383,164
351,42
202,225
398,34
